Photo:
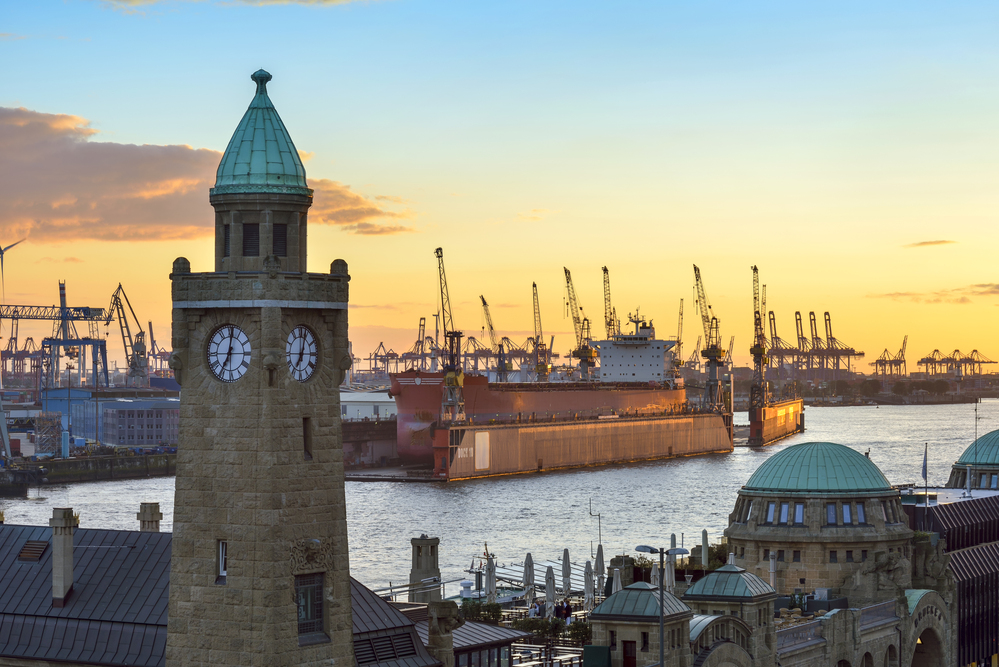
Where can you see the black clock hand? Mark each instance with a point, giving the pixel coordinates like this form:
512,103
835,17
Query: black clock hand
228,353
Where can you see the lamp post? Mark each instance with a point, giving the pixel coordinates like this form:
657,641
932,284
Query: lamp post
644,548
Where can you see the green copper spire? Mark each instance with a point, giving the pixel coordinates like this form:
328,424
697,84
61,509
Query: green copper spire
261,156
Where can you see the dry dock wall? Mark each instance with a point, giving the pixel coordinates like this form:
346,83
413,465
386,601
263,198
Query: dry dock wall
88,469
502,450
777,421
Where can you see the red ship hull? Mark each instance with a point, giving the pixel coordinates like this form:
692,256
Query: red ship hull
418,398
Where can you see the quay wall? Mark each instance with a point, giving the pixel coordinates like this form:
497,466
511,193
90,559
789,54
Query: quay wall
86,469
485,450
776,421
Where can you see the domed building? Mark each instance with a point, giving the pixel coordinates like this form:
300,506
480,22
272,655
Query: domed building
814,514
981,459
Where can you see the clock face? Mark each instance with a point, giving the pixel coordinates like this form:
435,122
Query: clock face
229,353
302,353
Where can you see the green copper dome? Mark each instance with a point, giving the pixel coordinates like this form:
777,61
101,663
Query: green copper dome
638,601
261,156
982,452
818,467
729,581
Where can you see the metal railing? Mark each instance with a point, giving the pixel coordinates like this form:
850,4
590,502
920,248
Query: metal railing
799,634
877,613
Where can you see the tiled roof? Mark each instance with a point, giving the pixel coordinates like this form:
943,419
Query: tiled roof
984,451
818,467
472,634
970,564
383,636
729,581
261,156
638,601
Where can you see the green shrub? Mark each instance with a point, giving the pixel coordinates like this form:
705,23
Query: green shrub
580,632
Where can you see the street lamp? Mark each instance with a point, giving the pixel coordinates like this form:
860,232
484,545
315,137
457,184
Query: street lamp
644,548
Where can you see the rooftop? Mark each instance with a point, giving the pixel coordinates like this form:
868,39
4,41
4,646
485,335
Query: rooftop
261,156
730,581
639,602
982,452
821,467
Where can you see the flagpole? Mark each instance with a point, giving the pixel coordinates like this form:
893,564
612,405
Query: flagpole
926,487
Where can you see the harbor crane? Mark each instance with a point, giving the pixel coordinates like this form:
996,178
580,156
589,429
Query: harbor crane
135,346
497,345
610,313
759,393
694,361
712,352
678,349
453,401
581,325
890,365
542,362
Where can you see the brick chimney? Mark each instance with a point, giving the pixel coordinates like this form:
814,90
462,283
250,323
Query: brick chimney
63,522
149,517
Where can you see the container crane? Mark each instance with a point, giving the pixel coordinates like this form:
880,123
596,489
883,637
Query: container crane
694,361
135,345
712,352
497,345
453,401
759,393
581,325
542,362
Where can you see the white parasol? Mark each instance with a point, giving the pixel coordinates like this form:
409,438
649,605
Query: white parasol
601,571
588,587
529,579
550,592
491,580
566,573
616,586
655,575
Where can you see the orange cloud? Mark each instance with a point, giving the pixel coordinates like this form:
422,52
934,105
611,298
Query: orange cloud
923,244
959,295
56,184
534,214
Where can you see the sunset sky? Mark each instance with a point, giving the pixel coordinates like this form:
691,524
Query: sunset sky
851,152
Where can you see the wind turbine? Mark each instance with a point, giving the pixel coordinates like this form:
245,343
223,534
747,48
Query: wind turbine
3,251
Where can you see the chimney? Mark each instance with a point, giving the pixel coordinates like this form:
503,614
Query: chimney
149,517
63,522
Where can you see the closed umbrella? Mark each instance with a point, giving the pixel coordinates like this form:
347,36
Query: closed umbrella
566,573
550,592
616,586
491,580
601,571
670,577
529,579
588,586
655,575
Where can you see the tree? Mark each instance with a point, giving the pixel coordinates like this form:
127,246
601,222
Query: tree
900,389
870,387
941,387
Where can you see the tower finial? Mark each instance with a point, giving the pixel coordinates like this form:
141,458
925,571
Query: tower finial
261,77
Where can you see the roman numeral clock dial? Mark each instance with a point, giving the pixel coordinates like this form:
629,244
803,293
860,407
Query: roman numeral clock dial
229,353
302,353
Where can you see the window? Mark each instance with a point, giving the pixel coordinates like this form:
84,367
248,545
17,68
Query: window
861,514
766,554
995,482
863,555
831,514
799,513
251,240
796,556
849,556
833,557
847,518
309,594
771,508
223,561
783,512
749,511
307,437
280,240
981,484
225,243
780,555
645,641
613,640
884,511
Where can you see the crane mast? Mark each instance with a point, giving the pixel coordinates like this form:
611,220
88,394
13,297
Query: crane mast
610,315
542,365
581,325
497,345
713,353
759,395
453,401
136,354
678,351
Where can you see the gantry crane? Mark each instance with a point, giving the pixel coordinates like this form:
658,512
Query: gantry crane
453,401
581,325
713,353
497,345
135,346
694,361
759,393
542,362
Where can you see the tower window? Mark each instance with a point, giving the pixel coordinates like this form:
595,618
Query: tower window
223,561
831,514
225,244
280,240
771,507
251,240
847,518
796,556
645,641
783,512
309,595
833,557
799,513
307,437
861,514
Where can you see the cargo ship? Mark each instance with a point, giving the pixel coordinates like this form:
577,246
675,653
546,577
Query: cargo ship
513,427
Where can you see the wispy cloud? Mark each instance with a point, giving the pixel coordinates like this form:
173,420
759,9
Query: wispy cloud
140,3
11,37
534,214
924,244
58,185
305,156
67,260
959,295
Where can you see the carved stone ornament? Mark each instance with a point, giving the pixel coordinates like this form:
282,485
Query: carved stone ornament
176,364
312,555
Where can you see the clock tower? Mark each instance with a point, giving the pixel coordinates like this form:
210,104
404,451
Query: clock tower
259,570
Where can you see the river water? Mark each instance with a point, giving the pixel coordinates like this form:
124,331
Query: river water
545,513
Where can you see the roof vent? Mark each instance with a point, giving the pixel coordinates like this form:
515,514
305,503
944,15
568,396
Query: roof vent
32,551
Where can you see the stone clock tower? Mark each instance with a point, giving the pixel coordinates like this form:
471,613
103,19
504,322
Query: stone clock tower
259,571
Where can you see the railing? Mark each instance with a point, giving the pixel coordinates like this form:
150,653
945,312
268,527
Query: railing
799,634
877,613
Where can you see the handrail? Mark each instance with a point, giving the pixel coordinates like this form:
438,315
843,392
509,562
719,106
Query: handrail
799,634
876,613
